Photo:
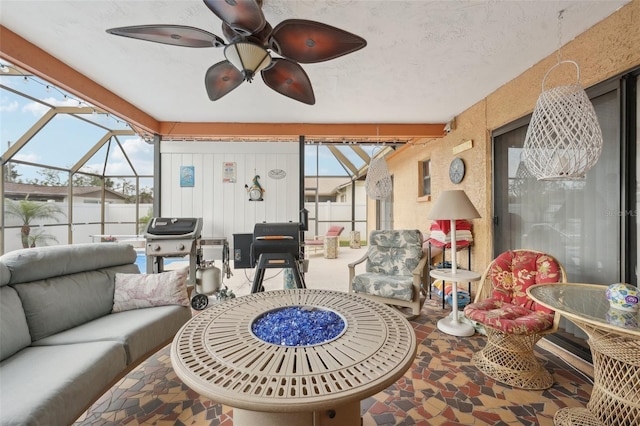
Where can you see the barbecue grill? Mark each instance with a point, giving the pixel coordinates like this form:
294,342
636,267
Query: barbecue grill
173,237
276,245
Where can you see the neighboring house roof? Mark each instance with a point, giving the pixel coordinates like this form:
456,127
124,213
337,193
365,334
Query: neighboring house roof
357,182
326,185
20,190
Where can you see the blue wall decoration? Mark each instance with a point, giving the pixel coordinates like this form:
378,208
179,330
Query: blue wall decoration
187,176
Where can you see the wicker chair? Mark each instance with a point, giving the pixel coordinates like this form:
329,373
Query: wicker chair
514,323
394,272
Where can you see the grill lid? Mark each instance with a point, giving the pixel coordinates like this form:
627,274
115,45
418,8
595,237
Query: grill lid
160,227
276,238
287,230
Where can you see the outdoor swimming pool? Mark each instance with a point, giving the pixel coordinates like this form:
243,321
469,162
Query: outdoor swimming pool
141,260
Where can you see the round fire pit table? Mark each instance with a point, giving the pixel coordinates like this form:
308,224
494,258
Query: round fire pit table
217,355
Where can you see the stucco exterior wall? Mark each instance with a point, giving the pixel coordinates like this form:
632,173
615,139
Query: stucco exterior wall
609,48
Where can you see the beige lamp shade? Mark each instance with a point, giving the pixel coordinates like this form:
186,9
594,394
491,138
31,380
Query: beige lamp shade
453,204
248,58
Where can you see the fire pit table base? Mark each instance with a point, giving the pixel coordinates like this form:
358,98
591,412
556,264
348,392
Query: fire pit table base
346,415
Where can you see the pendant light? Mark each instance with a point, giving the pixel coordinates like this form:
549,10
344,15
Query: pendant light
378,184
564,139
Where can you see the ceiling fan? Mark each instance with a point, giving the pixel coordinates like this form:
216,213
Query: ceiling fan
251,39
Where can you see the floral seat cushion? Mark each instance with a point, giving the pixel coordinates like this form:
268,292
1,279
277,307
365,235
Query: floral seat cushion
509,308
392,286
509,318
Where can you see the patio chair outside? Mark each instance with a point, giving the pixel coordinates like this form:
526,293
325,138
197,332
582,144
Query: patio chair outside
317,243
394,271
514,322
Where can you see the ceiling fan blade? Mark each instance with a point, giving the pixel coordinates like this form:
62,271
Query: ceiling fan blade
289,79
244,16
222,78
175,35
309,41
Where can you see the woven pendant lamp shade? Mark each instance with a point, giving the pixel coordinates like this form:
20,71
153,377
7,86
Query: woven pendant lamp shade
378,182
564,139
522,180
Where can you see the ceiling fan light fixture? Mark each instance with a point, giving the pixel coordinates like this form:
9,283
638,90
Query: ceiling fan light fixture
248,58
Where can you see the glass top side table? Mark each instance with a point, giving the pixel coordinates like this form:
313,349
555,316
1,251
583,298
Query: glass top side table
614,338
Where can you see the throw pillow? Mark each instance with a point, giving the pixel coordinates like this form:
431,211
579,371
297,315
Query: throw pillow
134,291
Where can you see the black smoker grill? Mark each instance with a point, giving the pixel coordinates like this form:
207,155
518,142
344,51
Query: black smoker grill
276,245
173,237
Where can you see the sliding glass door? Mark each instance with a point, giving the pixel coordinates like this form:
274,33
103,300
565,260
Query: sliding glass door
585,223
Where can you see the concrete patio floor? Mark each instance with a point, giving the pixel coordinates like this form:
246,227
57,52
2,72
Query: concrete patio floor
328,274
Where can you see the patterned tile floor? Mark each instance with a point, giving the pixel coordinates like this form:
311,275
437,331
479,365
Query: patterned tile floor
442,388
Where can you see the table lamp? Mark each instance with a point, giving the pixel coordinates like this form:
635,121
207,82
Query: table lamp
454,205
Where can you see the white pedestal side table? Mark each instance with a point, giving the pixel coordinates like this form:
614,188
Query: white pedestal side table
451,324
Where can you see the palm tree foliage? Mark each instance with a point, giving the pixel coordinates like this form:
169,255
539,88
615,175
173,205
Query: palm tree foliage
27,212
144,221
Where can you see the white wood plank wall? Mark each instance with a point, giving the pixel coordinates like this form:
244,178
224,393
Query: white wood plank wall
225,207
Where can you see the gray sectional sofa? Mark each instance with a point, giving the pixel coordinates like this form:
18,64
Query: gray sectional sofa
60,345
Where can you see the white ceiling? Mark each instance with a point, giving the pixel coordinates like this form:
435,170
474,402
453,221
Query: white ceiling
425,62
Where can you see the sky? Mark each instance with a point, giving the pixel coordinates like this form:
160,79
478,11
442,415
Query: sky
57,146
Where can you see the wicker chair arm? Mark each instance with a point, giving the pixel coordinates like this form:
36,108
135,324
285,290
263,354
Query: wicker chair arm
485,288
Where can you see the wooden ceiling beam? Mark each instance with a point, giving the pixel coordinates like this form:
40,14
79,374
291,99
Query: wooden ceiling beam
385,131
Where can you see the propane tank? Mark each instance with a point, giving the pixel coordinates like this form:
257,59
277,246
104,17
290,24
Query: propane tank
208,278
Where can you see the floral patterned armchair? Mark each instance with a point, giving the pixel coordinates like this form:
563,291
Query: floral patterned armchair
394,270
513,321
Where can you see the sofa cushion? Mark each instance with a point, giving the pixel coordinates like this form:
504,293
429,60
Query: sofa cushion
134,291
59,260
14,331
392,286
51,385
56,304
139,330
5,274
